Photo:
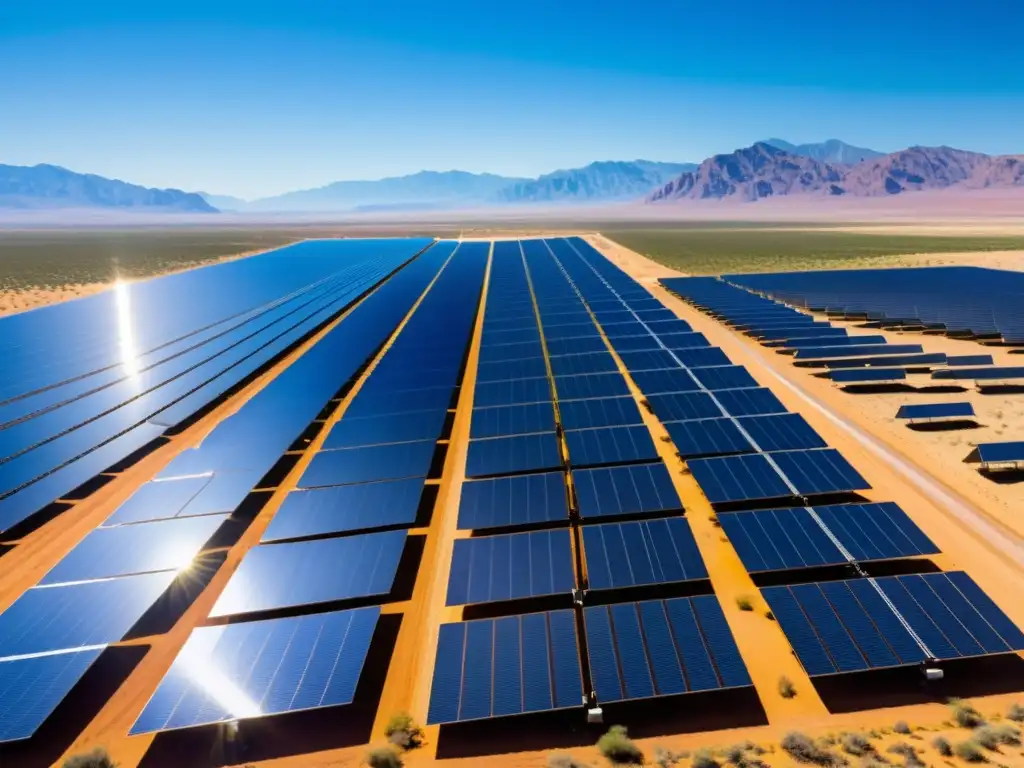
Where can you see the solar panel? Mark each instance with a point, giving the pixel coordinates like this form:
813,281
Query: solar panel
511,369
591,385
262,668
863,350
781,432
490,353
707,437
509,455
839,341
167,545
274,576
624,344
706,357
661,648
345,508
511,391
520,419
558,347
759,401
515,566
791,538
725,377
819,471
738,478
376,402
507,666
1004,373
570,331
495,337
966,360
510,501
31,688
364,465
631,554
576,365
864,375
599,412
935,411
186,497
847,626
610,445
612,491
648,360
924,360
394,428
666,381
999,452
78,615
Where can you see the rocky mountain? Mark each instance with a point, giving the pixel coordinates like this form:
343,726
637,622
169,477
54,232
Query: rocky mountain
829,151
224,202
609,180
434,187
50,186
764,171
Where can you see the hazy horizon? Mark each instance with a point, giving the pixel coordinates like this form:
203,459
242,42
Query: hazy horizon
257,99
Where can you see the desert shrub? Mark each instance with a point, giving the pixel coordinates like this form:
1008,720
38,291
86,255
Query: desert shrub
942,746
992,736
965,715
1015,713
769,615
744,603
666,758
564,760
386,756
619,748
704,759
969,751
786,688
803,750
907,752
403,732
901,727
856,744
97,758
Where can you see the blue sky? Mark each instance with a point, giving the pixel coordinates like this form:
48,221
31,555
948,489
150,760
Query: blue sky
257,98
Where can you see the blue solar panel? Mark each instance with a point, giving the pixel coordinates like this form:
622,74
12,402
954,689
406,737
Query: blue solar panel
345,508
995,373
965,360
935,411
363,465
394,428
738,478
661,648
784,539
578,365
725,377
511,567
599,412
749,402
612,491
376,402
924,360
838,341
186,497
707,437
507,666
570,331
684,406
665,381
167,545
512,391
706,357
648,360
622,555
520,419
494,337
862,350
624,344
503,352
819,471
558,347
611,445
591,385
847,626
262,668
1001,452
511,369
32,688
509,455
78,615
512,501
781,432
273,576
865,375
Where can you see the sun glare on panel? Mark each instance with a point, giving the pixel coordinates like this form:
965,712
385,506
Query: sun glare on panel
216,685
125,328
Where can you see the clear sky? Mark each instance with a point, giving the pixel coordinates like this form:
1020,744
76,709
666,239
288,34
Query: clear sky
254,98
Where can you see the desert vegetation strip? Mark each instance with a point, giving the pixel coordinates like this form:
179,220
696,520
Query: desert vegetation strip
746,249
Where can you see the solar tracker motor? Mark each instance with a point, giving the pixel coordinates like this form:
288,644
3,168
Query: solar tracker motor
933,673
595,715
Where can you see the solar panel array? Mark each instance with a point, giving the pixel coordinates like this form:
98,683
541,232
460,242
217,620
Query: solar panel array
833,626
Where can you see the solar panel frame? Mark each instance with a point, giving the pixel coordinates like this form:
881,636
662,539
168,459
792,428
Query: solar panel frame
935,411
708,437
520,419
599,412
373,463
609,445
392,428
625,490
511,455
513,501
638,553
590,386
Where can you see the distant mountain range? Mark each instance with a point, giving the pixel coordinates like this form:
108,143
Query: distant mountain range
50,186
763,170
767,169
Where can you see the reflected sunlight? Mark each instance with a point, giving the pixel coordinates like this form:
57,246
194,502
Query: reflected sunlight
125,330
216,685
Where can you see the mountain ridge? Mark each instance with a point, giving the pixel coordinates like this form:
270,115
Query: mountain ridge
833,151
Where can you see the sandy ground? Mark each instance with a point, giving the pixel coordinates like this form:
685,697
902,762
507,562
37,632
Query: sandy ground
765,649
